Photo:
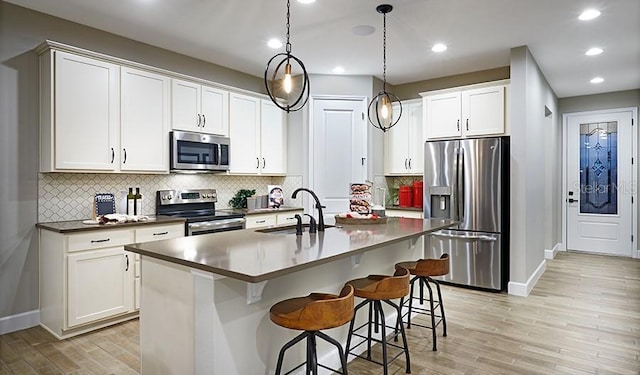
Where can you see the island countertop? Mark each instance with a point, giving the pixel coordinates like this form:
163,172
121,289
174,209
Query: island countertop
254,256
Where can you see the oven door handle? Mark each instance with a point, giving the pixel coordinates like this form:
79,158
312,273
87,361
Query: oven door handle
217,224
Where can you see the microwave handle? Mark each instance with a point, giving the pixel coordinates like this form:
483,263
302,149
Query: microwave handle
219,155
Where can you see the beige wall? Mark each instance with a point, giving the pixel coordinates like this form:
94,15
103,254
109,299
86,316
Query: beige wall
412,90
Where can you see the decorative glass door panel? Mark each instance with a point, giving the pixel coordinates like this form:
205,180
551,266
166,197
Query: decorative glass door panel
599,168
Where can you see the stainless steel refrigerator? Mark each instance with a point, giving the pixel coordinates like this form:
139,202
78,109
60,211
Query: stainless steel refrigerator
468,181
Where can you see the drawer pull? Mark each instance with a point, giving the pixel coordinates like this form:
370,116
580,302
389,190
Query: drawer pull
97,241
160,234
260,221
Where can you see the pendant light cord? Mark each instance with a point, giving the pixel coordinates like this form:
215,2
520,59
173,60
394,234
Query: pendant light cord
288,45
384,52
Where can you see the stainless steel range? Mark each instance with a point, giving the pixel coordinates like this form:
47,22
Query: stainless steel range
198,207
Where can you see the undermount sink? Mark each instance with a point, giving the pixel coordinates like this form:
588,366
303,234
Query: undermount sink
289,229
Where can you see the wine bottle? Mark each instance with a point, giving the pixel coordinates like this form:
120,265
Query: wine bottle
131,203
138,203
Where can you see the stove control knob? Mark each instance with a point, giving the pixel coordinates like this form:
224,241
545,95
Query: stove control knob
169,197
205,195
164,197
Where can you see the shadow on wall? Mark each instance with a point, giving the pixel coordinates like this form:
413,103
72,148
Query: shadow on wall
19,94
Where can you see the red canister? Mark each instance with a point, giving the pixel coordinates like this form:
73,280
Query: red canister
405,196
417,194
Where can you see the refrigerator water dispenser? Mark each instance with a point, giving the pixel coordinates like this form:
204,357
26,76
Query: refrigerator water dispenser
440,198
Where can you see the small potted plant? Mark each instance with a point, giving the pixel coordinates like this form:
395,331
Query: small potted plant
240,199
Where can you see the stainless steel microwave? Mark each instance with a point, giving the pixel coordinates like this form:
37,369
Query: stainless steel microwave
197,152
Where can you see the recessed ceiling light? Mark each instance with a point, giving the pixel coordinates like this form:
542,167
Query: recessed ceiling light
363,30
593,51
589,14
338,70
274,43
597,80
306,1
439,47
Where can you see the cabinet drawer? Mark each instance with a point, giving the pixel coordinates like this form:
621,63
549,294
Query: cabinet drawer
256,221
159,232
287,217
99,239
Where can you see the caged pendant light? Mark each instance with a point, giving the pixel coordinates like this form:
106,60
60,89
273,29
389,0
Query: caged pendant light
380,109
285,93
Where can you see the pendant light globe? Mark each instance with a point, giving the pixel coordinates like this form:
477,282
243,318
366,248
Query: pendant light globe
380,111
286,78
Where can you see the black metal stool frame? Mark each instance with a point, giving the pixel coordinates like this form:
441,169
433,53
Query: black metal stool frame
433,304
312,354
375,306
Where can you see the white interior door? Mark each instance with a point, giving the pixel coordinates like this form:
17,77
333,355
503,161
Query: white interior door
339,141
600,182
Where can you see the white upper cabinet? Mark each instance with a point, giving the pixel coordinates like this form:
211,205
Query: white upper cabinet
144,131
404,142
465,112
273,141
80,114
257,130
199,108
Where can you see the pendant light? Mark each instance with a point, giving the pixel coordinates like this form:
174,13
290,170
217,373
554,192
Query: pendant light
380,109
282,87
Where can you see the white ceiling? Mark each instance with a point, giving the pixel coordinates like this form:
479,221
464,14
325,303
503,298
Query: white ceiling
479,33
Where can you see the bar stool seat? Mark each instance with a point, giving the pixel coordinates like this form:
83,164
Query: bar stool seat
424,270
376,289
313,313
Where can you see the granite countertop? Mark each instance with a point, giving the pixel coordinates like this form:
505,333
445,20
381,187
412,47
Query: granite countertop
78,226
252,256
258,211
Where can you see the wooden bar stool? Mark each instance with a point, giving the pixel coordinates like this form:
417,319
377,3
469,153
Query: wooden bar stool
311,314
376,289
424,270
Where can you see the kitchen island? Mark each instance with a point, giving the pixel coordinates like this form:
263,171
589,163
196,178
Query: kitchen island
205,299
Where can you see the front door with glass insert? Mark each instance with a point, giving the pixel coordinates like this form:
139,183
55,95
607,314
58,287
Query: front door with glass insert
600,183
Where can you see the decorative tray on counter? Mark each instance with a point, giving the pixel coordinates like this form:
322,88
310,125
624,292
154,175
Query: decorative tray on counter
360,219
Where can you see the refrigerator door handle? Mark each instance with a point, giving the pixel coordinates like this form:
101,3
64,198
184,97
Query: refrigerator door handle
478,238
460,183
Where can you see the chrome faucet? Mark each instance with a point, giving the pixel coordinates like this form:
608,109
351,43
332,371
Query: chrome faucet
318,206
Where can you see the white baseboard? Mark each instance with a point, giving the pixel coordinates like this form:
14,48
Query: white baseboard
20,321
550,254
523,289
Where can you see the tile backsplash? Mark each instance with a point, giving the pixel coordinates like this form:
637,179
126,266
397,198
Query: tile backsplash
68,196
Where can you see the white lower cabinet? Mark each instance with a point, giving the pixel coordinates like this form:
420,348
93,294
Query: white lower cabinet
88,280
99,285
269,219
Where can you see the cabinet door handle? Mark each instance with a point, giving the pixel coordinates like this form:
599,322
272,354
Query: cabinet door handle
257,163
264,163
199,120
409,163
113,155
467,124
204,120
458,125
405,164
127,257
125,156
98,241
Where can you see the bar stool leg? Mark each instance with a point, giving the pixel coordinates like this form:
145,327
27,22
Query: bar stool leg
433,317
343,357
380,313
402,332
444,319
353,322
286,346
411,301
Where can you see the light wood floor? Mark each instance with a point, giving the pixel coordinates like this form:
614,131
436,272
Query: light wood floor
583,317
